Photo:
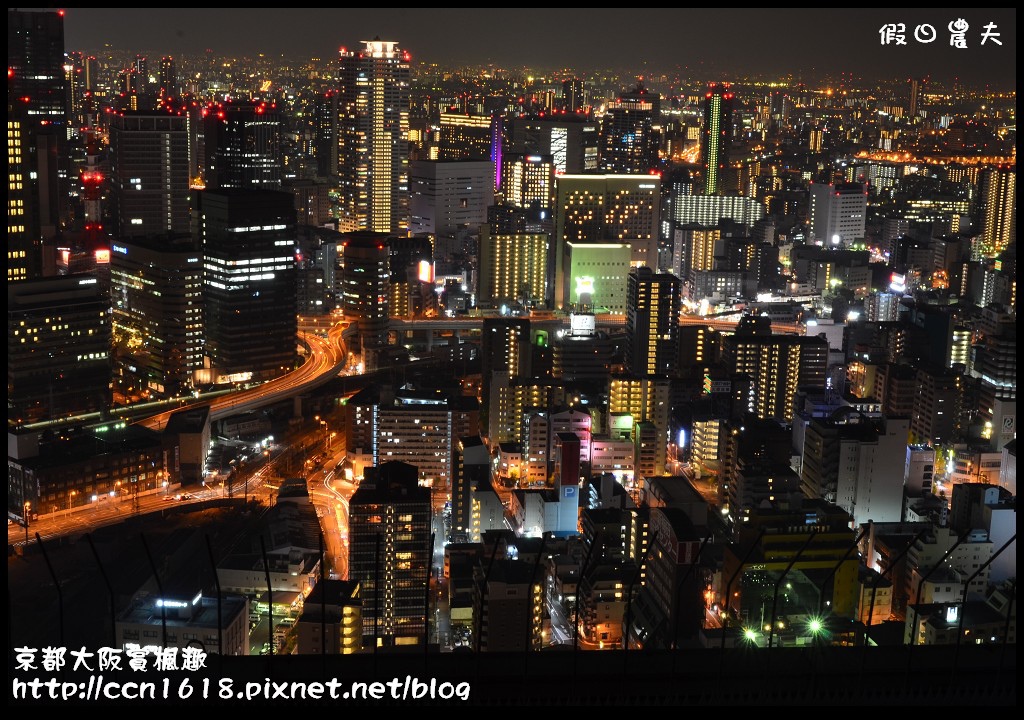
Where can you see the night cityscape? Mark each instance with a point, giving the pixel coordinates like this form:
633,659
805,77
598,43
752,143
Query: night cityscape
512,357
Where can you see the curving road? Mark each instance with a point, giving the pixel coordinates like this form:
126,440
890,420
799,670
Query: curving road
326,359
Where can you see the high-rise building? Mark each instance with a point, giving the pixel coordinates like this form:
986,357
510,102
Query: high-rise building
570,140
710,210
325,134
448,196
607,209
646,401
999,209
594,277
390,553
243,146
513,267
505,354
778,365
528,183
373,127
35,65
168,79
37,138
156,288
248,241
58,348
915,89
365,276
471,466
630,133
652,307
936,415
465,137
716,137
24,242
838,213
574,95
149,174
857,462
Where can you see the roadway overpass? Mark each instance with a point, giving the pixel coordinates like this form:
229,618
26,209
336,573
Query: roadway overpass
604,321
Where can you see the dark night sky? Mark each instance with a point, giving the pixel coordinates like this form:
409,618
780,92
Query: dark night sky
729,42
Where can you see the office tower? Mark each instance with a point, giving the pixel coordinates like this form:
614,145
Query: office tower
446,197
570,140
629,133
248,241
857,462
156,288
390,553
528,183
998,208
465,137
513,268
702,244
149,174
243,146
778,365
168,79
508,606
514,397
373,125
471,466
646,401
58,348
35,65
607,209
365,274
594,277
838,213
716,137
325,134
574,95
775,537
652,308
37,135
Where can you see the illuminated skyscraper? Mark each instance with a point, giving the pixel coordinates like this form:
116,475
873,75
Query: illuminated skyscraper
602,209
365,275
778,365
652,306
373,127
529,183
168,80
629,134
571,140
513,267
156,288
717,136
248,239
243,146
37,137
389,553
149,174
999,208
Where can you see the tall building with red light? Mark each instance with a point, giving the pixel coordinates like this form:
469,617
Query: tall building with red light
243,146
373,129
629,134
716,136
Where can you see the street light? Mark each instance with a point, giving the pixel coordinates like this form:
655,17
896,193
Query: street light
71,495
